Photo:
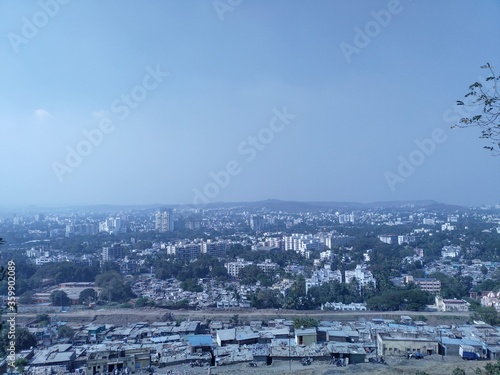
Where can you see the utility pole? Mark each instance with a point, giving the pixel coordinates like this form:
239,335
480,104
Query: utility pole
442,347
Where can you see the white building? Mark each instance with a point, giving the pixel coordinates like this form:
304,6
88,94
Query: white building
164,221
447,226
268,267
450,251
214,248
185,251
233,268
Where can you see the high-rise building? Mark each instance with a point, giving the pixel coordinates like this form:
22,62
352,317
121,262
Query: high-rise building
113,252
256,222
164,221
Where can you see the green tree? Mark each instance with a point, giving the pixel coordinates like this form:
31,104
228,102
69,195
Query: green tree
88,296
266,299
27,298
43,320
489,369
114,287
488,314
141,302
65,332
483,103
305,322
191,285
20,363
59,298
24,340
458,371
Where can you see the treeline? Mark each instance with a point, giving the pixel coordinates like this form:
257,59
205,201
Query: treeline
406,298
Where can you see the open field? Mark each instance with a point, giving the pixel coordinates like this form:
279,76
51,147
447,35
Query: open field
433,365
125,316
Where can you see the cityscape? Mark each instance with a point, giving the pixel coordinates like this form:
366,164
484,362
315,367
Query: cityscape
236,187
253,283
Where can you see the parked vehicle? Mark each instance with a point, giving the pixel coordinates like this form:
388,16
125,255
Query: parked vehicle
416,355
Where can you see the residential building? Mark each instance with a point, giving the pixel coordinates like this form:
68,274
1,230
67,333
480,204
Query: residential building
233,268
164,221
400,344
428,284
451,305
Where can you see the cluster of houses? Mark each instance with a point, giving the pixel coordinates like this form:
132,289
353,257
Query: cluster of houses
104,348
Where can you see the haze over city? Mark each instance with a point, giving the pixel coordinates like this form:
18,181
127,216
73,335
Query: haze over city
193,102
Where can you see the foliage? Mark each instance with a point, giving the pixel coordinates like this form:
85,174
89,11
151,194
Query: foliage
453,286
88,296
167,267
305,322
20,363
484,106
334,291
487,314
114,287
65,332
489,369
266,299
141,302
27,298
458,371
24,340
408,298
59,298
252,274
43,319
191,285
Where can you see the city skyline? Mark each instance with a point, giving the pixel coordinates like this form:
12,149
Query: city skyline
196,103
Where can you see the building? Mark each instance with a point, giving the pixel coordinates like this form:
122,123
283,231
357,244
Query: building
256,222
268,267
451,305
185,251
388,239
451,251
307,336
400,344
428,284
405,239
113,225
111,253
164,221
216,249
107,361
233,268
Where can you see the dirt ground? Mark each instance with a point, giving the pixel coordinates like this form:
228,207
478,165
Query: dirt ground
432,365
126,316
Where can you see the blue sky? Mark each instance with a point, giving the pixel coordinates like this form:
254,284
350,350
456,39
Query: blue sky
351,119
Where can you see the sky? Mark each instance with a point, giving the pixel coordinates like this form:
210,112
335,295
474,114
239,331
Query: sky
183,101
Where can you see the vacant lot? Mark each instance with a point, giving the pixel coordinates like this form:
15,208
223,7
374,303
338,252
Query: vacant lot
397,366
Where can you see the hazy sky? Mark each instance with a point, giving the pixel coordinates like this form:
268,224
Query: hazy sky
296,100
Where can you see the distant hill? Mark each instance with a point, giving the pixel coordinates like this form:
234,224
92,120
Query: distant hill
269,204
294,206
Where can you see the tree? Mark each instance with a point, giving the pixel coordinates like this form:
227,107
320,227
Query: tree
114,287
27,298
484,105
24,340
305,322
488,314
458,371
87,296
59,298
65,332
